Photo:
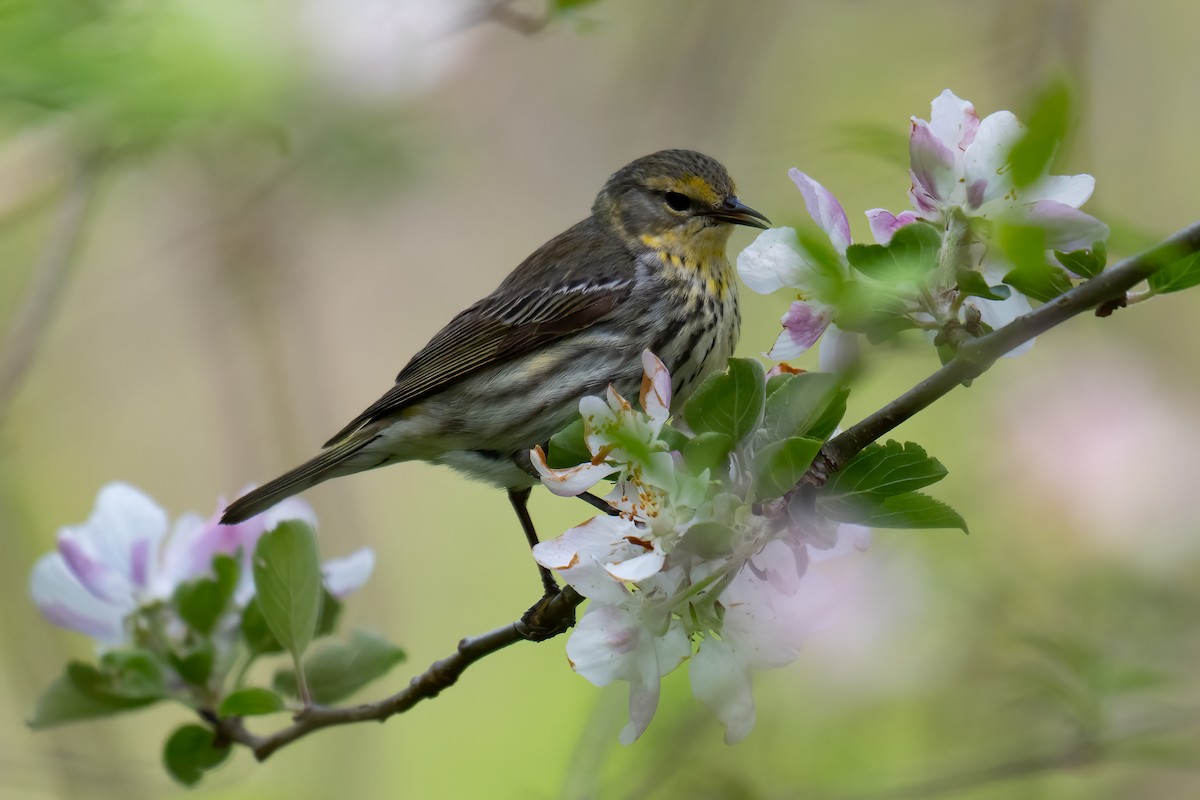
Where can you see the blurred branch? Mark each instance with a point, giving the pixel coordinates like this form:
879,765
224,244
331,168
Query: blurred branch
502,13
1076,754
50,277
556,617
976,356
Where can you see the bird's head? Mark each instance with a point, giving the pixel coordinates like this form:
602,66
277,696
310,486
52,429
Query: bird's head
674,200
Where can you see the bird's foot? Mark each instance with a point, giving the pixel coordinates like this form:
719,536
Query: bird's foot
547,618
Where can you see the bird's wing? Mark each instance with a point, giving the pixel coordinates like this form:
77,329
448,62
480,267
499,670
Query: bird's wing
499,328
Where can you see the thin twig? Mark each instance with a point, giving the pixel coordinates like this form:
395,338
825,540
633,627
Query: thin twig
556,616
975,357
1074,755
50,277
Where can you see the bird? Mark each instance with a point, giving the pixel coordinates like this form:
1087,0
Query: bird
646,270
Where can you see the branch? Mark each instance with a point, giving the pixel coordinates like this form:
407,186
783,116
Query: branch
50,275
502,13
1074,755
557,616
975,357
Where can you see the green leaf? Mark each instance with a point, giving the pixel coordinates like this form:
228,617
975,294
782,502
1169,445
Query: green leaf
190,752
568,447
256,633
910,255
872,309
336,671
195,667
708,540
729,402
1182,274
828,274
134,674
780,465
707,450
331,612
63,701
1023,245
1042,283
809,404
675,440
287,581
1047,127
1084,263
202,602
882,470
250,702
912,510
776,381
261,641
973,283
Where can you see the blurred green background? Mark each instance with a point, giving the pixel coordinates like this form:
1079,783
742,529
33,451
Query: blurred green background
288,198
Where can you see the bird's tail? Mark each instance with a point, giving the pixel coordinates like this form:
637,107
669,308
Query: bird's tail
329,464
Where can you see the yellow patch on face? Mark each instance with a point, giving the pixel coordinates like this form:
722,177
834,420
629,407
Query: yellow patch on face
693,186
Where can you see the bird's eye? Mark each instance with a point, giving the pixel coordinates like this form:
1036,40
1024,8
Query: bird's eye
677,201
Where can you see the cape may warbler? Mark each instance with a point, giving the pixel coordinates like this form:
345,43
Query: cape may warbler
647,270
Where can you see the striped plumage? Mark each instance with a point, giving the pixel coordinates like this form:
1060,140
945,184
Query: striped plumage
646,270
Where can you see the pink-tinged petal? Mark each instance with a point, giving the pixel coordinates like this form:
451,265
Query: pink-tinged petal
934,166
884,224
840,350
103,581
803,324
122,534
772,261
986,160
922,200
976,192
824,208
953,120
188,552
850,539
345,575
65,602
1067,228
721,681
767,625
602,646
656,388
1070,190
572,481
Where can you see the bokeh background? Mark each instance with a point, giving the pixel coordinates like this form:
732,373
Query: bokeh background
281,201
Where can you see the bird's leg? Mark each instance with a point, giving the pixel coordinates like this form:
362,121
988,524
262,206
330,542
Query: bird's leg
536,629
520,503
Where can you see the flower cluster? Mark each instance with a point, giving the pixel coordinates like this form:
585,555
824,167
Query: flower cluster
122,562
683,571
970,256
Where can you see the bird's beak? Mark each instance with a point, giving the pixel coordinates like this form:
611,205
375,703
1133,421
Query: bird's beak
738,213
